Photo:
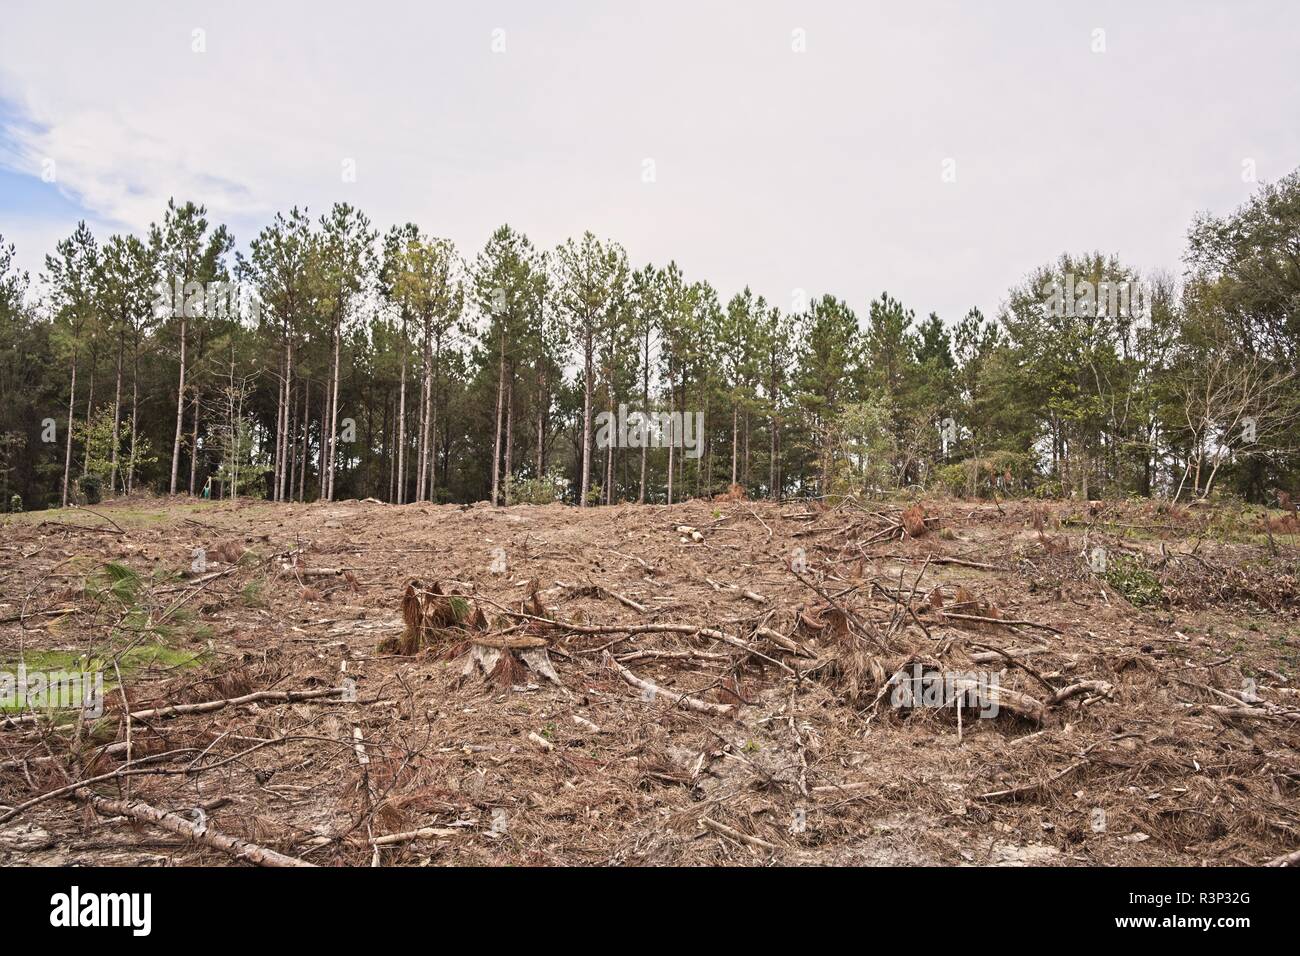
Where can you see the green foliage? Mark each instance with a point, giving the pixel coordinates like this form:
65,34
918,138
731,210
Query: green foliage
460,608
91,487
865,459
1131,578
1001,472
537,491
116,582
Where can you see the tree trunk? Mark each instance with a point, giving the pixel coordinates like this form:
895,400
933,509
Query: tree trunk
135,417
587,376
672,443
735,443
433,415
334,411
117,415
306,433
67,456
194,443
400,497
772,486
609,453
426,396
541,423
645,410
180,411
280,438
322,441
286,453
510,436
290,434
90,403
496,444
744,472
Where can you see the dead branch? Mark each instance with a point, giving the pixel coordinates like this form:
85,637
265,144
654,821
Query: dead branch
736,835
208,706
1286,859
648,687
424,833
626,601
1082,687
1001,620
199,833
661,628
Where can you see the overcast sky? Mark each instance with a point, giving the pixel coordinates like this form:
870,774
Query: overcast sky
792,146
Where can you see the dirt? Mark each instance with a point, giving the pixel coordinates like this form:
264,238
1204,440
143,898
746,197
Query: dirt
814,765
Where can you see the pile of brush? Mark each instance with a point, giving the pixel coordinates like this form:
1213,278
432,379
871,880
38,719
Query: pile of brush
454,627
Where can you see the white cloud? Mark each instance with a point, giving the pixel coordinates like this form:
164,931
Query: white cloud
818,170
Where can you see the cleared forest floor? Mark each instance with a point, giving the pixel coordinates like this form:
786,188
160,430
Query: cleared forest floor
1159,734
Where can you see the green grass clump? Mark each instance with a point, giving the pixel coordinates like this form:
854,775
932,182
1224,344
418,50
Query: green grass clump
131,662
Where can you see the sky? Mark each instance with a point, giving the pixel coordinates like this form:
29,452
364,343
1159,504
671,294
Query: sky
938,151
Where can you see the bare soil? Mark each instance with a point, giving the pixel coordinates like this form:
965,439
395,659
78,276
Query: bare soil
1166,733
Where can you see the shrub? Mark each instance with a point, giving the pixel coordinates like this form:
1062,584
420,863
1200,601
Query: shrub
999,471
92,488
1130,577
537,491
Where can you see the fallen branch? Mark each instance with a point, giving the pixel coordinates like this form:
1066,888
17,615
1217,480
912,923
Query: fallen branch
735,834
648,687
1011,660
199,833
1251,713
1082,687
1002,620
746,594
653,629
1286,859
962,562
779,639
424,833
626,601
996,654
207,706
1016,792
541,741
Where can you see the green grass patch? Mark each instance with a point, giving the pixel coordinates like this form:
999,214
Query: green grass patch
144,659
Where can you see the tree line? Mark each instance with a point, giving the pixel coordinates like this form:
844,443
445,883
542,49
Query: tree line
332,361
